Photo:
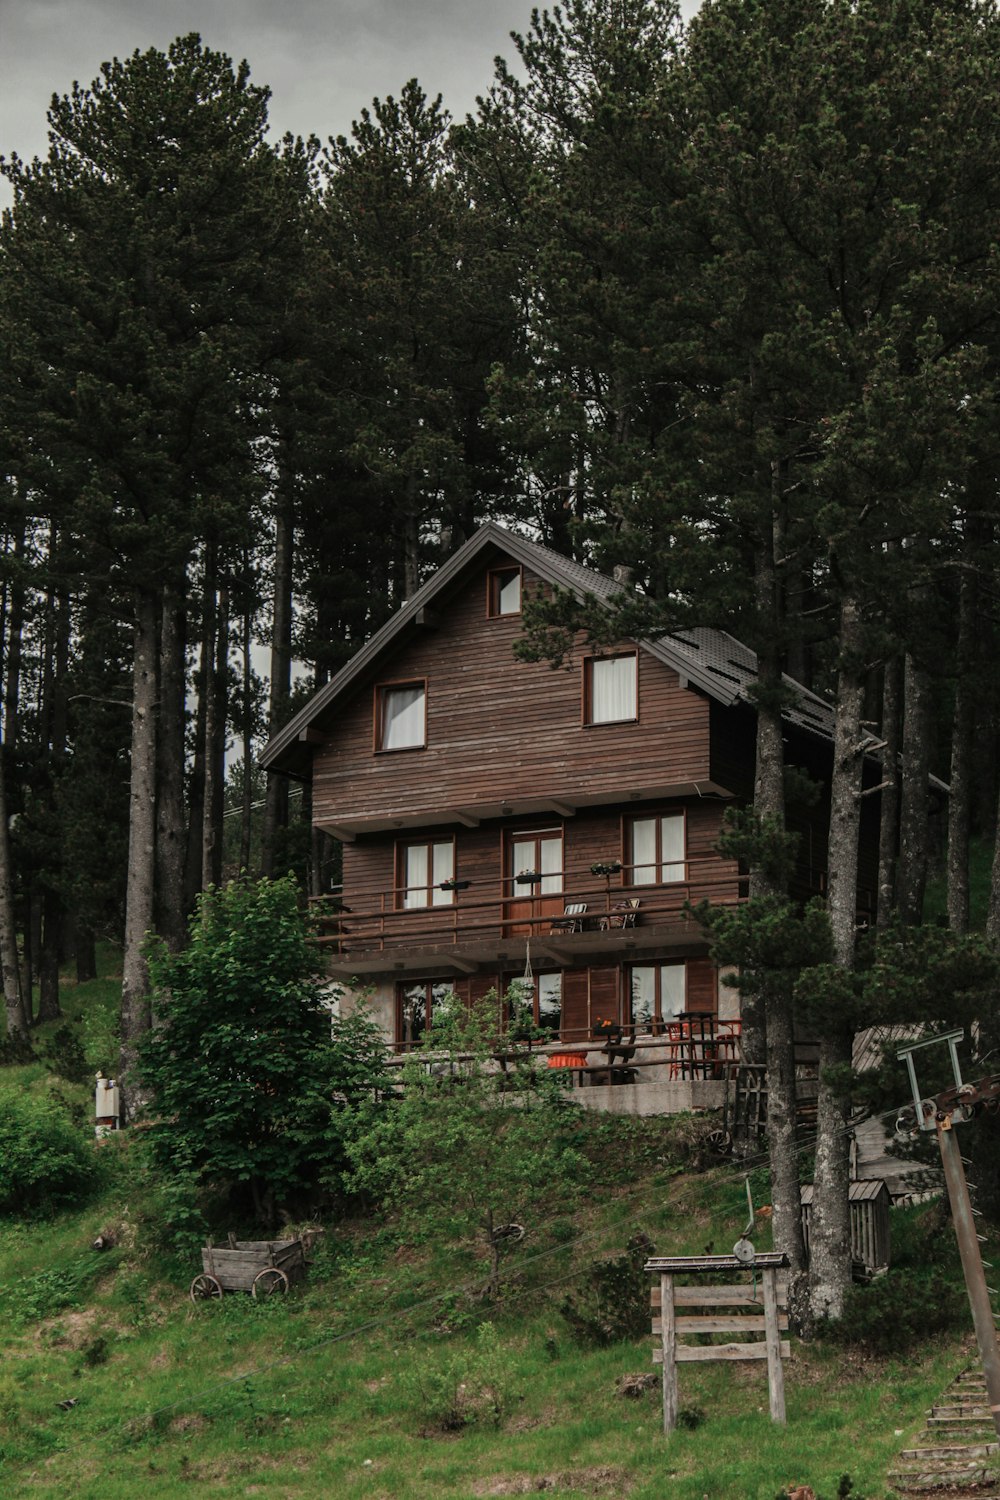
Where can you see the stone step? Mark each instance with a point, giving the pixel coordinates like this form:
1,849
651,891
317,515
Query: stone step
928,1480
979,1422
951,1450
962,1409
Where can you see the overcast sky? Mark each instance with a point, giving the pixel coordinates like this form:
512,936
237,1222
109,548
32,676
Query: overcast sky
323,60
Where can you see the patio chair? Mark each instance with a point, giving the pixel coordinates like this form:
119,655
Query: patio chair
621,915
571,919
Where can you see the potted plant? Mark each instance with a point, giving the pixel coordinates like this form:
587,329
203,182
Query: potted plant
527,877
606,1029
606,867
454,885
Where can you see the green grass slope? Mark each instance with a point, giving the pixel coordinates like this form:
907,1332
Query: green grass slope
385,1376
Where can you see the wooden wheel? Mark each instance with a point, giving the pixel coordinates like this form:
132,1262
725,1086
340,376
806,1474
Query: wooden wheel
205,1287
720,1141
269,1283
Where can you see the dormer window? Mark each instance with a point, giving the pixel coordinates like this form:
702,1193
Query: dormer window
610,689
504,596
401,716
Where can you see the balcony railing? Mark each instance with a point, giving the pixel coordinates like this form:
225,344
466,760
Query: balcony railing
377,919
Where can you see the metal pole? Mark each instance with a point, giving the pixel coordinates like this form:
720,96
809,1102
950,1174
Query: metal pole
972,1265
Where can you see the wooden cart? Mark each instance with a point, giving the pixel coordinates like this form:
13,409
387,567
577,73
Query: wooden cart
264,1268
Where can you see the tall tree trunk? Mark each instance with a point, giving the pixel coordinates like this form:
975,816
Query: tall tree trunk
246,727
830,1226
53,733
769,803
215,745
136,1009
912,874
170,756
960,798
196,794
888,833
17,1015
85,951
15,626
411,537
276,798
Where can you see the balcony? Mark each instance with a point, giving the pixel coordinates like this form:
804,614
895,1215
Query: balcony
488,924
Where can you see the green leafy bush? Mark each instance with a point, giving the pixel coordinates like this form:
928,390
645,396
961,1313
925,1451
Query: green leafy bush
614,1302
472,1388
46,1163
468,1152
255,1082
899,1310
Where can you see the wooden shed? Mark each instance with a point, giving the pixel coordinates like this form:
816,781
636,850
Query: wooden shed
870,1202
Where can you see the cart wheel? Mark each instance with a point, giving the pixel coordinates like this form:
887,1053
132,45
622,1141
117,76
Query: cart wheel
269,1283
720,1141
204,1288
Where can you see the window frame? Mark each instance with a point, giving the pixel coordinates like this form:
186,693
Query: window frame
656,1021
431,888
382,689
446,986
587,703
494,589
506,980
629,881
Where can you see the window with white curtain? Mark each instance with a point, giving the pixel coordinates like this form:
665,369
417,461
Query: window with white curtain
402,716
657,852
422,868
612,694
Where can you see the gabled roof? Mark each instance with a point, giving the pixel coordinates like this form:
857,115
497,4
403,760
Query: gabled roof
711,660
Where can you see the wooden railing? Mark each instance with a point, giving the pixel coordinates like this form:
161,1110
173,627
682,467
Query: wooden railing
375,920
683,1058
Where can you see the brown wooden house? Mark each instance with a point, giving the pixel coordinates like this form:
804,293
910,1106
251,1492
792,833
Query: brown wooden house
490,808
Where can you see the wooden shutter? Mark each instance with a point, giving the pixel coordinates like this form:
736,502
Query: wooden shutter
604,995
702,984
576,1005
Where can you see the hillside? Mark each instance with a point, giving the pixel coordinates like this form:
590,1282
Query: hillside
385,1375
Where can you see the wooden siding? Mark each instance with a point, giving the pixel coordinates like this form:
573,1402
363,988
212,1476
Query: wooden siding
484,909
500,729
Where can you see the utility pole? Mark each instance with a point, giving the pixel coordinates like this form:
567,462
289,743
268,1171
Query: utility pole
941,1114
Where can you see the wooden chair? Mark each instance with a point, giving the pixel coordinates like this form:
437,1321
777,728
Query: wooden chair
678,1034
571,919
621,915
727,1041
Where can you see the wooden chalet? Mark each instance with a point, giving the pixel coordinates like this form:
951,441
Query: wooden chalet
491,808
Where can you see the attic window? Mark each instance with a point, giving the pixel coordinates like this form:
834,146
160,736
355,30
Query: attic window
401,716
610,689
504,592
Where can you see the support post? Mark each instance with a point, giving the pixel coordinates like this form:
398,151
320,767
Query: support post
972,1264
668,1343
772,1338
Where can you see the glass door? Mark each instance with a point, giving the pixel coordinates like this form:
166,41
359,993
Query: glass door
533,883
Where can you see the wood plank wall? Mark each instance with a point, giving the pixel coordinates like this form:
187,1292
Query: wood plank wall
498,728
588,837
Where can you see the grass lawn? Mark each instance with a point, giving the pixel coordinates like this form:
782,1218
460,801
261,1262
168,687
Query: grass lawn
114,1385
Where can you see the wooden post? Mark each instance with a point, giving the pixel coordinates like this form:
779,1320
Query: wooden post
668,1345
772,1338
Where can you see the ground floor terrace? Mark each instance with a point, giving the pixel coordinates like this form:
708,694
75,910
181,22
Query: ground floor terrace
635,1032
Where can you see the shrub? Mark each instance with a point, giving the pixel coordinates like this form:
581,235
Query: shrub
614,1304
485,1157
899,1310
472,1388
46,1163
63,1053
255,1083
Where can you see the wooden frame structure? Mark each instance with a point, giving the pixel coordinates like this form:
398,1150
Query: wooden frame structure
757,1307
